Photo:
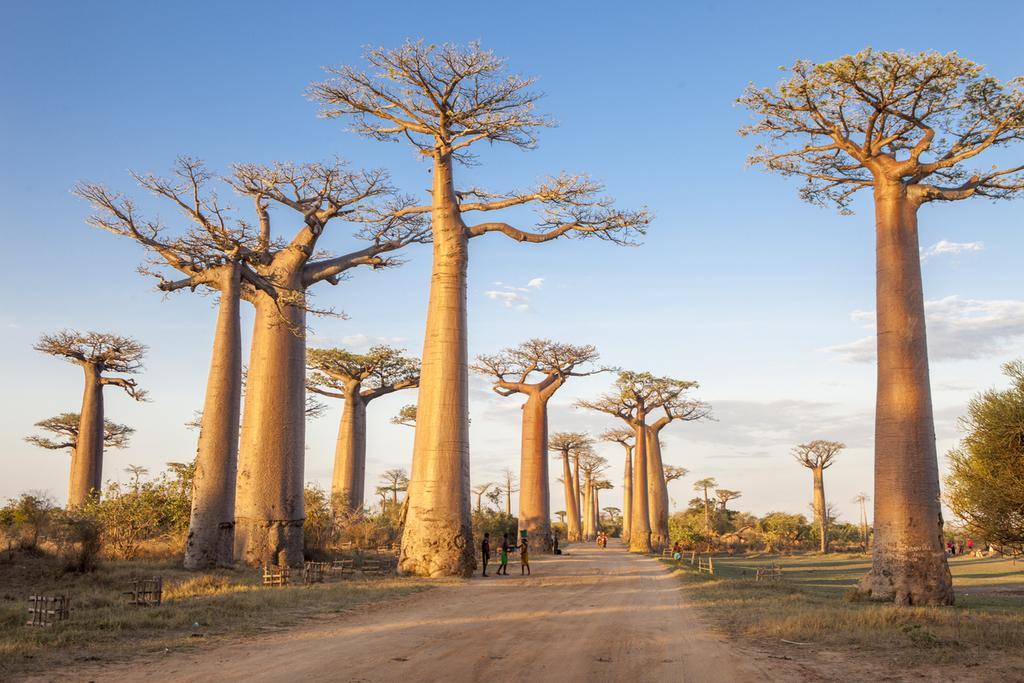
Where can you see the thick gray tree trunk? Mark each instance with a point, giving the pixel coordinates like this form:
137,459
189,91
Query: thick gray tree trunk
572,517
211,527
657,491
348,483
438,536
627,495
269,505
640,531
820,509
908,563
86,478
534,493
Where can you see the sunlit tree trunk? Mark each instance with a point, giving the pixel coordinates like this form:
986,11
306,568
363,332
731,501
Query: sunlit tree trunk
571,511
909,563
588,509
820,509
640,530
348,481
438,538
657,491
576,497
86,478
627,495
534,494
269,507
211,527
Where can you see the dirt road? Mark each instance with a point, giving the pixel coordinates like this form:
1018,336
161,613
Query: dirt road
591,615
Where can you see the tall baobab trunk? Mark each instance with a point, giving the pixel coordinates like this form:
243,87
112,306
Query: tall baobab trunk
212,523
627,495
640,529
534,495
657,491
571,511
908,562
820,510
596,505
576,497
587,508
348,482
269,509
87,457
438,536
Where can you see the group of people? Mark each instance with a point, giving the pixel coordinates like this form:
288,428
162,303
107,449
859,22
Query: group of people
602,540
506,547
958,548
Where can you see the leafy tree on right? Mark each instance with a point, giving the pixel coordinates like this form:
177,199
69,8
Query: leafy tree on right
906,126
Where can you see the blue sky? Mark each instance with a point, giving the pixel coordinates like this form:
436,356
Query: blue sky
739,285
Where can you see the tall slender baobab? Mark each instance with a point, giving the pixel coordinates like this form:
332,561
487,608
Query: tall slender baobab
357,379
591,466
97,353
211,254
66,425
635,397
549,364
706,485
568,445
480,490
395,481
818,456
269,503
597,486
676,407
903,125
508,485
862,500
444,99
626,438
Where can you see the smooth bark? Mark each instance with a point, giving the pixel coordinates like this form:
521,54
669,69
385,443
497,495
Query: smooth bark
657,488
86,478
588,509
534,493
573,531
640,529
908,561
627,494
820,509
211,526
577,501
269,509
438,538
348,481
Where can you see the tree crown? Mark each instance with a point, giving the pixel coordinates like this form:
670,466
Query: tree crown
379,371
406,416
66,426
566,443
817,454
893,117
637,394
513,367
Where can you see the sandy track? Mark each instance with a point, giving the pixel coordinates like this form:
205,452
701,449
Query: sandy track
591,615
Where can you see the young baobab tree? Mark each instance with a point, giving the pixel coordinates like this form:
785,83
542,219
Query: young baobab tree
98,354
508,484
907,127
597,486
65,427
676,407
357,379
444,99
635,397
406,416
591,465
724,496
210,254
395,481
479,491
706,485
561,516
568,445
626,438
817,456
269,499
548,364
862,500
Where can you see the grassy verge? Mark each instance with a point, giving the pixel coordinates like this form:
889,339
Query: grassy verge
812,607
197,608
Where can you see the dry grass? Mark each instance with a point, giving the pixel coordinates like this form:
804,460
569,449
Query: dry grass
197,608
815,608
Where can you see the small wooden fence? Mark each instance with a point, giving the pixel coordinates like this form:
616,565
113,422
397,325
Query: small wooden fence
313,572
706,565
274,575
145,592
770,573
46,610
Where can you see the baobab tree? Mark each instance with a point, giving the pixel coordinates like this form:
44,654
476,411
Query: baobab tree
479,491
597,486
591,465
905,126
862,500
443,100
626,438
676,407
635,397
406,416
612,512
568,445
508,484
269,498
65,427
97,353
818,456
536,369
357,379
395,481
209,253
724,496
705,485
673,472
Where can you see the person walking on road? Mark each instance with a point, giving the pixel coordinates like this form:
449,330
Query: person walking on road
524,557
485,551
503,567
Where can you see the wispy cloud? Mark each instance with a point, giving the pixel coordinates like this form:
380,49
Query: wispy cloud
514,296
958,329
354,342
947,248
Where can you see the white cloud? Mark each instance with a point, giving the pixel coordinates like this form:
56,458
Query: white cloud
514,296
958,329
947,248
511,299
536,283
